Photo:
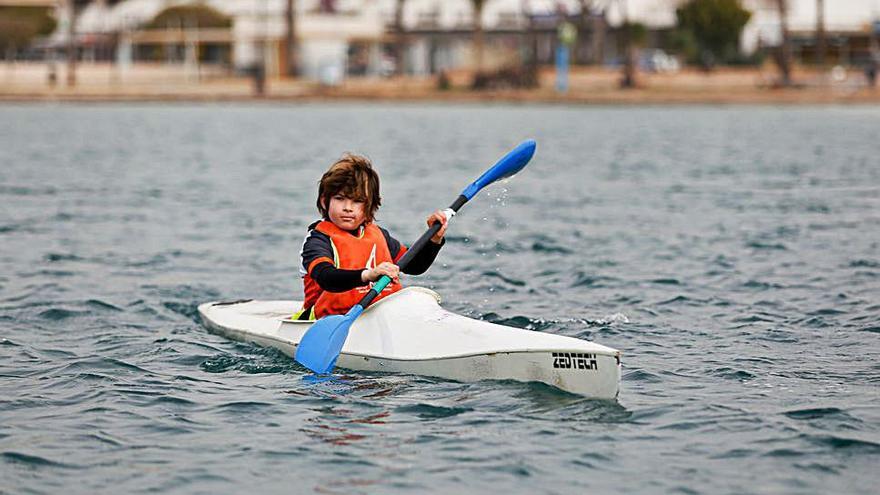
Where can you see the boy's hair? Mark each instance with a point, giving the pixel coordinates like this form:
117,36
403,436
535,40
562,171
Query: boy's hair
354,177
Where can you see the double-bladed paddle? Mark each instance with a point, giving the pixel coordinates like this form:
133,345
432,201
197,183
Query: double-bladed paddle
320,346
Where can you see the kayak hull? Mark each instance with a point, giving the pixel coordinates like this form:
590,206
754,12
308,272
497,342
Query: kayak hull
408,332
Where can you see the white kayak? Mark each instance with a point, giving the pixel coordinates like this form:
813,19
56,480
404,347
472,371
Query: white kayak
408,332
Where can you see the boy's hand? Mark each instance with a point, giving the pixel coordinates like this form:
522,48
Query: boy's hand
385,268
438,216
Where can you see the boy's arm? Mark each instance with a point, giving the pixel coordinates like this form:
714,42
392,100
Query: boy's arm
333,279
423,259
317,261
421,262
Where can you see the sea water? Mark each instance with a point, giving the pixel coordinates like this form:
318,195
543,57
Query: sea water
731,253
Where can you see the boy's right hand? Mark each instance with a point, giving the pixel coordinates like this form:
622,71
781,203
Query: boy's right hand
385,268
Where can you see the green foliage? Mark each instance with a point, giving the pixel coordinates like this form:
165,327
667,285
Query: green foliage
715,25
755,59
443,82
683,41
186,16
20,25
635,32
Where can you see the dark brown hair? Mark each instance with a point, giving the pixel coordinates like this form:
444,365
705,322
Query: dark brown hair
352,176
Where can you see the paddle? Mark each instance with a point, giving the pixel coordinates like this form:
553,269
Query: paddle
320,346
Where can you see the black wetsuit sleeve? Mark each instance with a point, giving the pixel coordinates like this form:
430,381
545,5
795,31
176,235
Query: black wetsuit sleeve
424,258
315,246
333,279
394,246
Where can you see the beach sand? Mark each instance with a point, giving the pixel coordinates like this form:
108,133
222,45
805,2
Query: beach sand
160,82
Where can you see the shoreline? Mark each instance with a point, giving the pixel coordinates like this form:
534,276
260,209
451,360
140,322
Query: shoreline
786,98
27,83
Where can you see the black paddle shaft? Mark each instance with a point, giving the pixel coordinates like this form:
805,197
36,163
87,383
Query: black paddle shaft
420,243
415,248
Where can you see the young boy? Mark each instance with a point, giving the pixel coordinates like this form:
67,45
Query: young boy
345,252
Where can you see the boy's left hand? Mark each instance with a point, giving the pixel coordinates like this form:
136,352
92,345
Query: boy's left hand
438,216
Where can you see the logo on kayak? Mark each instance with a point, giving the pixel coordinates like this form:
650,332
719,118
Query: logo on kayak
574,360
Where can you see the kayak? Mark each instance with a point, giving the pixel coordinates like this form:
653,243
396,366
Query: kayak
409,332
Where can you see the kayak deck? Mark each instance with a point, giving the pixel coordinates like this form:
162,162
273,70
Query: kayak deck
409,332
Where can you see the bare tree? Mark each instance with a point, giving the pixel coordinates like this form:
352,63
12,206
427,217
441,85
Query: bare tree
478,32
598,40
583,25
74,9
530,42
289,55
399,38
820,32
71,42
592,20
628,80
783,56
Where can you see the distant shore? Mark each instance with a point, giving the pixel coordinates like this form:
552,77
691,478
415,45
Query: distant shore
29,82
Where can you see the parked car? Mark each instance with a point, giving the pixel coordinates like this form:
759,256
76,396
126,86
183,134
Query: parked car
656,60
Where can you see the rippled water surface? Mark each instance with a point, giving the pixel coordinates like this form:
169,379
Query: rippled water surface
732,254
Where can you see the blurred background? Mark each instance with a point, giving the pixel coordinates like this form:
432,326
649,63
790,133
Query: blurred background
725,249
603,50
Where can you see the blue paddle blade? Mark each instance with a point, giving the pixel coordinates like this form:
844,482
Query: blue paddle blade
507,166
323,341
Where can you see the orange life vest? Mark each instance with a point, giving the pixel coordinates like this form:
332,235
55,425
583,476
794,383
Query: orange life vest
351,253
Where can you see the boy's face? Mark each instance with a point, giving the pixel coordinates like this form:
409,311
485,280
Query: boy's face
346,213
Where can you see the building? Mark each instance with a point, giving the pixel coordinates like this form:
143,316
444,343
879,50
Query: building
848,24
242,34
362,37
21,21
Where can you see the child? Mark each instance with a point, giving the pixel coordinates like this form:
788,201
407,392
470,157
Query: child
345,252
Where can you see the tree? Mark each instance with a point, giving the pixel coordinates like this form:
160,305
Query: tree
783,55
530,52
820,32
478,33
595,24
583,26
399,40
715,25
73,9
289,53
634,35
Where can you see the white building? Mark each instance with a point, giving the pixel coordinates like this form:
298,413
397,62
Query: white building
327,41
257,33
763,27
